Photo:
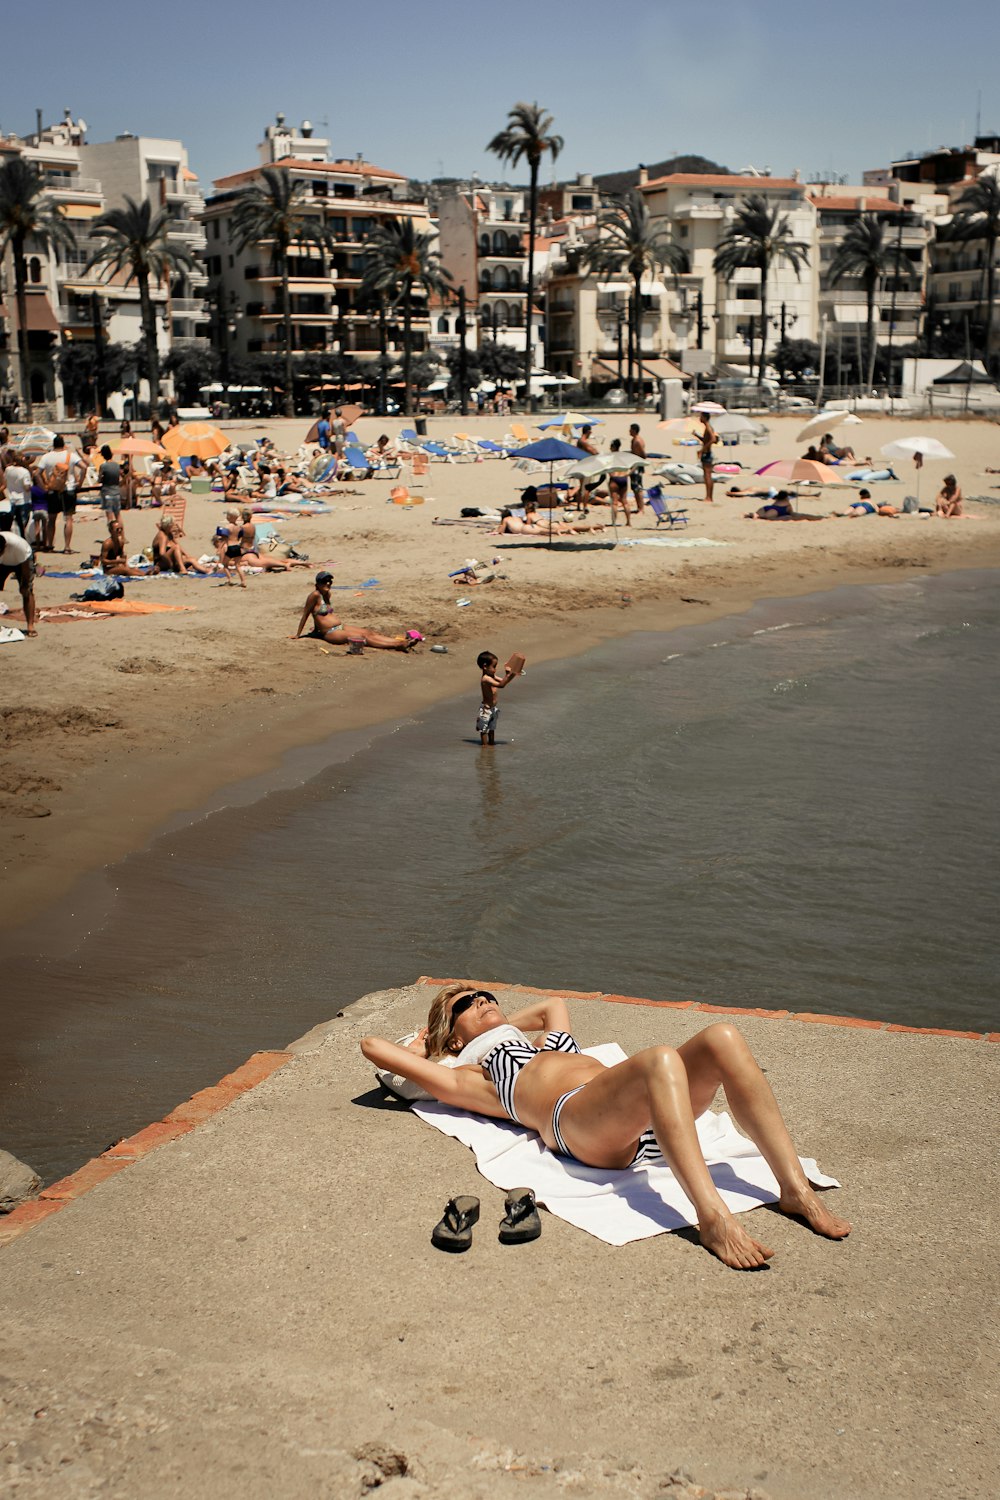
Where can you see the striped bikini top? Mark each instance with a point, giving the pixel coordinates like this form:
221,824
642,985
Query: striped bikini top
504,1062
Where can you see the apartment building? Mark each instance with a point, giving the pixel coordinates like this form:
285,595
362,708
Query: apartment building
146,167
483,239
718,317
899,299
351,198
65,303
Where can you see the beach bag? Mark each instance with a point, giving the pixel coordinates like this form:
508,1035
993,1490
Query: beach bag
911,504
55,479
104,588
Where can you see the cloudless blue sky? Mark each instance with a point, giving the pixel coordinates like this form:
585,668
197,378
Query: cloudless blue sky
421,87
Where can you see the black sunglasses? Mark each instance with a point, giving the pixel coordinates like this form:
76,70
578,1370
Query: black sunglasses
461,1006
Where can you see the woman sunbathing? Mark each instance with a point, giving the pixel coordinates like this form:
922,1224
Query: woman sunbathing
330,628
168,554
252,555
535,525
781,508
611,1117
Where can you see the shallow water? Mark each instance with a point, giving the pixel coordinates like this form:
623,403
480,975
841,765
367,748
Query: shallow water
792,808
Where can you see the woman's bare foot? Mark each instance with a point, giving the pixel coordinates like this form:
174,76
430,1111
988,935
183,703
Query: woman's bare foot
727,1239
802,1203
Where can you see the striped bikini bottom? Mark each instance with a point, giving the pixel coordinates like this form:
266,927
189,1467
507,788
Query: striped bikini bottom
647,1150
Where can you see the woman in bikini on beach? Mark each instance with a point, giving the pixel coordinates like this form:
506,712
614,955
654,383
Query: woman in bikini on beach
330,628
612,1117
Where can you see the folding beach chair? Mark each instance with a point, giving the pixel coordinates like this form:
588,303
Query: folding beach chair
521,433
358,462
175,506
666,513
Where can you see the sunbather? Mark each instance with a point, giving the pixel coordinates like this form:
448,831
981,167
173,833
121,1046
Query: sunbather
252,555
611,1117
114,563
949,500
330,628
834,454
168,554
780,508
864,505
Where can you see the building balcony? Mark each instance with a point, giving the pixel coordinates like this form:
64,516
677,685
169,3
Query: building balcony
187,230
65,187
187,307
838,296
303,283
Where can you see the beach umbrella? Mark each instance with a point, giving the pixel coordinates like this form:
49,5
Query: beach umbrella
800,471
35,440
826,421
680,425
731,424
549,451
918,448
707,406
139,447
195,440
569,419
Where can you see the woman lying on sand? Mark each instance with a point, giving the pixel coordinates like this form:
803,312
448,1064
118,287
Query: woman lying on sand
779,509
612,1117
330,628
535,525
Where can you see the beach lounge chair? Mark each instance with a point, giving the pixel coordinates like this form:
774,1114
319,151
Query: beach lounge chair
358,460
666,513
489,449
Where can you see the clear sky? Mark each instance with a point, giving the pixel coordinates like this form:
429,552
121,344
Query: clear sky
421,87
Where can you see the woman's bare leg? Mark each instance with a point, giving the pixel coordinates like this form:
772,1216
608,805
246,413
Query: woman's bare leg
719,1056
602,1123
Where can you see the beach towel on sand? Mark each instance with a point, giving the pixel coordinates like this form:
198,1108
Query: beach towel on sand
617,1207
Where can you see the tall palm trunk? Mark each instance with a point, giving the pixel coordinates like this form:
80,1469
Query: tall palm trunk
638,386
407,348
532,214
764,268
871,286
991,250
20,280
149,339
286,316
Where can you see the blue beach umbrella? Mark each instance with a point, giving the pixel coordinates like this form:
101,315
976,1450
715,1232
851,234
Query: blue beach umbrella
568,420
547,451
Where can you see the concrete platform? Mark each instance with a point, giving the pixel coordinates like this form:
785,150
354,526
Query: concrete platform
243,1300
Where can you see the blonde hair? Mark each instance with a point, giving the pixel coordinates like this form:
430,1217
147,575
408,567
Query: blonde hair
232,514
439,1022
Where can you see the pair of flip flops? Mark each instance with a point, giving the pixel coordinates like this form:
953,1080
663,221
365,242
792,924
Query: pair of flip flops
519,1224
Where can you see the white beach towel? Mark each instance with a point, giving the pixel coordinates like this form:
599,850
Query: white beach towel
617,1207
670,541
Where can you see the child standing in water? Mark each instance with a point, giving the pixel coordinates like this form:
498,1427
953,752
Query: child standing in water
490,684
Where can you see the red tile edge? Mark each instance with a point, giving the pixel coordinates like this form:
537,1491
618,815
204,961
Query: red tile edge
756,1012
201,1106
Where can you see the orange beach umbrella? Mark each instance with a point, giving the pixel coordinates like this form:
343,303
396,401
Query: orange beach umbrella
195,440
139,447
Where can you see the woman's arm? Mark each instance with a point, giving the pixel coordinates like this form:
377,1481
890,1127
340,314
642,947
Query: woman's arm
461,1088
550,1014
309,607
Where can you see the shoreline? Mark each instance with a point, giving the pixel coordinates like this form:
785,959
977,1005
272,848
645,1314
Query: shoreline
243,752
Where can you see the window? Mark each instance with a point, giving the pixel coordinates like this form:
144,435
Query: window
34,270
747,293
500,278
500,313
499,242
582,200
514,318
319,187
338,224
360,227
442,325
484,244
216,229
231,262
250,272
682,230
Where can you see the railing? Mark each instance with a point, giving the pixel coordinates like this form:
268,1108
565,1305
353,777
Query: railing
187,307
70,182
860,299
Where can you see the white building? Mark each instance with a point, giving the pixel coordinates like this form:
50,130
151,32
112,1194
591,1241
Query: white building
483,234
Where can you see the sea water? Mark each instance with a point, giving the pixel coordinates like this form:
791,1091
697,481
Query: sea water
793,808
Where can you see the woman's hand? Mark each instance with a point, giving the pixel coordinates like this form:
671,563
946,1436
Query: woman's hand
419,1043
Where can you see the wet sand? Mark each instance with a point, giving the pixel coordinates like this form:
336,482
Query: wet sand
110,727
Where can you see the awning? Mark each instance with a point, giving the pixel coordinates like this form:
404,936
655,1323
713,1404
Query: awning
652,369
39,317
963,374
81,210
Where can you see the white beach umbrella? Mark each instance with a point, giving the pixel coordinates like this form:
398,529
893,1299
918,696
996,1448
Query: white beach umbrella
707,406
731,422
912,447
919,448
826,421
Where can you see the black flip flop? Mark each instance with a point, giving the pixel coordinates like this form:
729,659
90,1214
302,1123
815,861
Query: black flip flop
521,1222
454,1232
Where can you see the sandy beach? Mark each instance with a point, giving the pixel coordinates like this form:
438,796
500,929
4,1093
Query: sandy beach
109,726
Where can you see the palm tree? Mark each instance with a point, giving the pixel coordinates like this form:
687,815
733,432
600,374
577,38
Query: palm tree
398,260
275,209
26,215
528,136
629,241
977,217
867,253
759,236
134,240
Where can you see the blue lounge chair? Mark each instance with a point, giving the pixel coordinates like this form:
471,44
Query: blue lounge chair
666,513
358,460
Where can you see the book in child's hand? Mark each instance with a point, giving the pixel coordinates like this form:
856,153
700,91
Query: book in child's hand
515,664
